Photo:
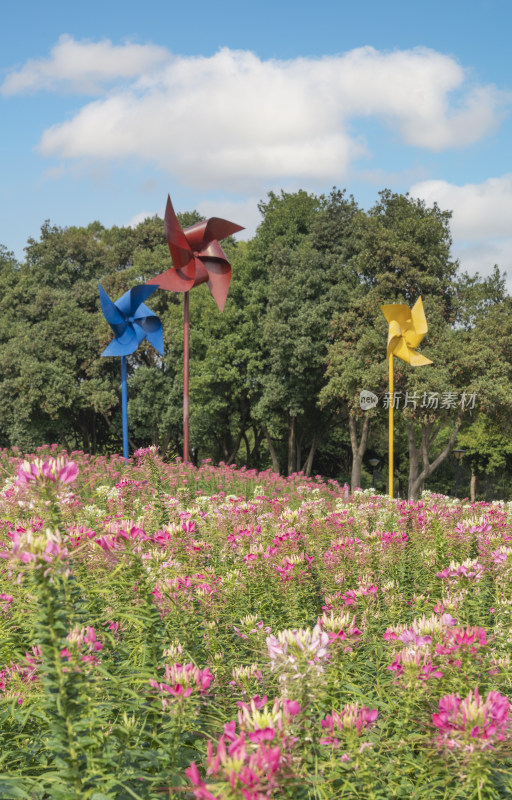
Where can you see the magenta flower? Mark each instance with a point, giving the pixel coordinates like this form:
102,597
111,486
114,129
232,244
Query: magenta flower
470,639
27,545
83,639
472,723
414,664
247,768
352,717
55,470
182,681
291,708
470,569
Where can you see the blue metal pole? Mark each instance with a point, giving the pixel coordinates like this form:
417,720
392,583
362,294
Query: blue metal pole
124,406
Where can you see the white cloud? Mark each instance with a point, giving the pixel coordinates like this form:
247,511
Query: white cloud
244,212
480,222
83,66
479,209
481,256
142,215
236,122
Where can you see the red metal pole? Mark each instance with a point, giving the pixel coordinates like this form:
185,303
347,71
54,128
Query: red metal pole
186,309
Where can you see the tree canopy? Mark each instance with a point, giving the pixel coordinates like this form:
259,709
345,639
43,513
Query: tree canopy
276,378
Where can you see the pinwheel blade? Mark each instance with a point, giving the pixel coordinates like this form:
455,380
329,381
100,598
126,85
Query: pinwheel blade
213,250
397,312
125,344
417,360
419,319
202,233
219,277
175,280
110,310
156,339
217,228
399,349
148,322
181,251
143,311
129,303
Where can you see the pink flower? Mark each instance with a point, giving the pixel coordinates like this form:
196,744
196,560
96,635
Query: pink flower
183,680
54,470
262,735
461,722
83,639
414,664
291,708
470,639
353,716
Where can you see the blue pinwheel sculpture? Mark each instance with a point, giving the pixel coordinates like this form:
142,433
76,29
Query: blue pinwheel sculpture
132,322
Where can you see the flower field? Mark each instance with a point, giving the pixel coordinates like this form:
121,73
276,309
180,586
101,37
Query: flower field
220,634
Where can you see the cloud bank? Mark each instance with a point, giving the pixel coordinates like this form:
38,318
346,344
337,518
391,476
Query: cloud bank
83,67
481,220
236,122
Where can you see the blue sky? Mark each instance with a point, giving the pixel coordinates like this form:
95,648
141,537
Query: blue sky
106,107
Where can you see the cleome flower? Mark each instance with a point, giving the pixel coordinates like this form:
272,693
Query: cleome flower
353,718
85,642
181,680
472,723
250,764
299,650
422,630
262,723
414,664
40,472
469,639
29,545
470,570
252,774
17,677
340,628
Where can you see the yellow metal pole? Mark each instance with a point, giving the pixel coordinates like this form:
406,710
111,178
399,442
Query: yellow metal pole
391,403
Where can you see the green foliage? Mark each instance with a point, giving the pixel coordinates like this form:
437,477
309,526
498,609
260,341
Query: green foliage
275,379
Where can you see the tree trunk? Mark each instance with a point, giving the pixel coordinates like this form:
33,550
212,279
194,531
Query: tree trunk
247,450
473,486
291,445
255,454
272,451
113,428
430,468
358,448
414,457
298,452
308,466
94,442
236,446
165,444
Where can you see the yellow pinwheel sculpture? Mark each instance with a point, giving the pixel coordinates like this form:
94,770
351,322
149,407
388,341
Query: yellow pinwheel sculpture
407,327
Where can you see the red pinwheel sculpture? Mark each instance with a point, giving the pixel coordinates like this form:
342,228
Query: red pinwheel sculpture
197,258
132,322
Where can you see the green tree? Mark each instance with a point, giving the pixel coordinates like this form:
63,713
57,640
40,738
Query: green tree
303,242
